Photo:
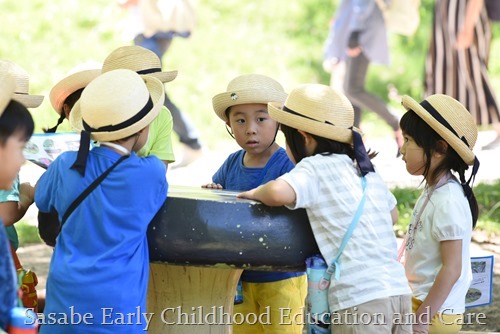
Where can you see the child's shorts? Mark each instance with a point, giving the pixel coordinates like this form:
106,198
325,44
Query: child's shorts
441,323
279,304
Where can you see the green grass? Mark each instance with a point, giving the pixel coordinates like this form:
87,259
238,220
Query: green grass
28,233
487,195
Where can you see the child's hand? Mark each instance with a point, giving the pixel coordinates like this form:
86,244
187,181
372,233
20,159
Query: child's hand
420,328
250,194
212,186
26,194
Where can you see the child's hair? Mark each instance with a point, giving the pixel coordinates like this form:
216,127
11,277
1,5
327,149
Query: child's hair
16,119
295,142
428,139
70,101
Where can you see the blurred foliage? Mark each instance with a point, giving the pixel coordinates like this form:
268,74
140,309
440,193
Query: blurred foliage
487,196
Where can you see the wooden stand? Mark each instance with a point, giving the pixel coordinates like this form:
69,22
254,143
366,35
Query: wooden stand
190,300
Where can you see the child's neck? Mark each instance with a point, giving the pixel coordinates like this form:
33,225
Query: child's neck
260,160
435,180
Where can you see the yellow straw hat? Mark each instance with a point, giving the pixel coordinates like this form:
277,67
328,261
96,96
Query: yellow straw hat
450,119
248,88
7,88
21,80
137,59
319,110
117,104
77,78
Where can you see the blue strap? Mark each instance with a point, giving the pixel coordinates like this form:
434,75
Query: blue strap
334,268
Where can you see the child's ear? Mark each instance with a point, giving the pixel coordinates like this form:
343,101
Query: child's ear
307,137
228,125
441,147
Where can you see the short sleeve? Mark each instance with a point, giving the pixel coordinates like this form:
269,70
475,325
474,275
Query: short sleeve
450,220
160,137
11,195
304,182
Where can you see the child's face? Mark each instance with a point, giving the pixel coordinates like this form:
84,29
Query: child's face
413,156
142,140
11,160
253,128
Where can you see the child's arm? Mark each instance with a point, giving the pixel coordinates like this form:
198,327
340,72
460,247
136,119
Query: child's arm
451,256
273,193
394,215
11,211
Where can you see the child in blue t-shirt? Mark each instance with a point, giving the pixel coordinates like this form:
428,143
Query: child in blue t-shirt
100,265
243,108
16,127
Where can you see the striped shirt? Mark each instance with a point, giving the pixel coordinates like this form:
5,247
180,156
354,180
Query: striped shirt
329,188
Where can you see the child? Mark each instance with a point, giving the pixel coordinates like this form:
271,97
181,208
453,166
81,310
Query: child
243,108
15,201
144,61
330,159
16,127
439,135
68,90
100,262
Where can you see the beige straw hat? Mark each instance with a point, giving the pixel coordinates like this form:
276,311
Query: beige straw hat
22,80
450,119
78,77
138,59
118,104
319,110
248,88
7,88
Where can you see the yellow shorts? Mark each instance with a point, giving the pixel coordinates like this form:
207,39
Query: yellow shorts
275,303
441,323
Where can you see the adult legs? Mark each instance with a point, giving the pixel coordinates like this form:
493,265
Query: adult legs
183,126
354,87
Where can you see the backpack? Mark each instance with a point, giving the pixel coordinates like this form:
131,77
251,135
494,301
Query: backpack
493,9
400,16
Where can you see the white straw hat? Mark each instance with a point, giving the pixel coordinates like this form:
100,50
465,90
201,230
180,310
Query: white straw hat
77,78
137,59
450,119
7,88
319,110
117,104
248,88
22,80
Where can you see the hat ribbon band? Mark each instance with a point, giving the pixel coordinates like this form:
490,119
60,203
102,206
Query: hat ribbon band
362,158
137,117
80,163
437,116
149,70
301,115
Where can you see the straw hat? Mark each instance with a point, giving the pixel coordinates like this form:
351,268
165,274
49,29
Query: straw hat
450,119
138,59
21,79
115,105
319,110
7,88
78,77
248,88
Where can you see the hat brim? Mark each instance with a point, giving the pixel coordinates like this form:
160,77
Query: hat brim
456,143
157,93
7,87
225,100
67,86
29,101
340,134
164,76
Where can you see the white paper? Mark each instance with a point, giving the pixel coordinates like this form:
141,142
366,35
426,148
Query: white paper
480,292
43,149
